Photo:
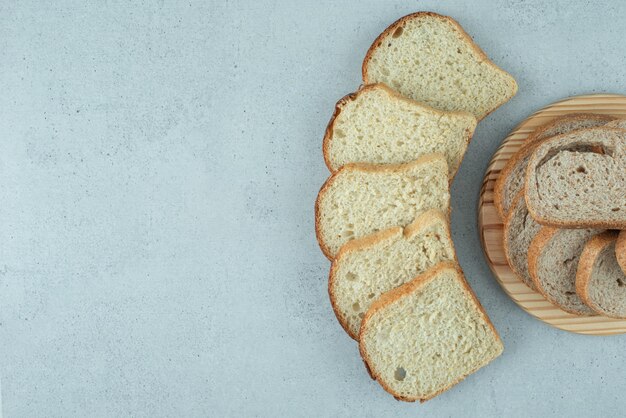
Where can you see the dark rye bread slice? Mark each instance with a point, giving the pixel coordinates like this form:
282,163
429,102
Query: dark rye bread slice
620,250
519,230
511,178
424,337
577,180
552,262
431,59
600,282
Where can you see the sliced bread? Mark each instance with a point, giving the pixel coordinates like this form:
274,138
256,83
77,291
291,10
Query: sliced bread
430,58
424,337
618,123
511,178
378,125
519,230
366,268
577,180
360,199
620,250
552,262
600,281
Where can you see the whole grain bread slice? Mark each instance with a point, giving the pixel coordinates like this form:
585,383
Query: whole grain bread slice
552,262
361,199
577,180
511,178
427,335
618,123
366,268
431,59
519,230
378,125
620,250
600,282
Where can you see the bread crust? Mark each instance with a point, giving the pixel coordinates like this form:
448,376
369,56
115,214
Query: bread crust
543,237
620,250
464,36
328,134
364,167
590,223
535,249
507,224
592,250
424,220
406,290
532,141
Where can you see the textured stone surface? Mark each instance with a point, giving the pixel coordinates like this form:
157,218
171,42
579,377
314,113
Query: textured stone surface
158,167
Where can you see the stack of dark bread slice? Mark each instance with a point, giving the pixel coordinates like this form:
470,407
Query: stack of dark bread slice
562,199
382,217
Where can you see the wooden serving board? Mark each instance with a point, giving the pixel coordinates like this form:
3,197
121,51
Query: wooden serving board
490,224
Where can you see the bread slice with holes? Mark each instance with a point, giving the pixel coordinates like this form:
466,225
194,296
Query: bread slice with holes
427,335
360,199
620,250
600,282
552,263
519,230
377,125
511,179
429,58
366,268
577,180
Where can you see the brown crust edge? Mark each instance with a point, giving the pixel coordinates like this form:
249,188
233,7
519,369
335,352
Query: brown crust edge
620,250
463,34
405,290
424,220
559,223
588,258
531,142
543,237
505,239
365,167
328,134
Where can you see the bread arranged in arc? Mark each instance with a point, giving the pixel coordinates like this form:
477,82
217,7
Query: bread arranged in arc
361,199
431,59
553,261
519,230
511,179
600,282
377,125
366,268
577,180
427,335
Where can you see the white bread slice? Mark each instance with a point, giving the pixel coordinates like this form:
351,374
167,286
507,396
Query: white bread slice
366,268
600,282
430,58
552,262
377,125
620,250
360,199
519,230
577,180
511,178
424,337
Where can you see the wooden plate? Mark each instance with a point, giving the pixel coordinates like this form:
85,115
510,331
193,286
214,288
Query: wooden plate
490,224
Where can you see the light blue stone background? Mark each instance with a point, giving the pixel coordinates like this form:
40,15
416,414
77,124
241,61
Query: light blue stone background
158,167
